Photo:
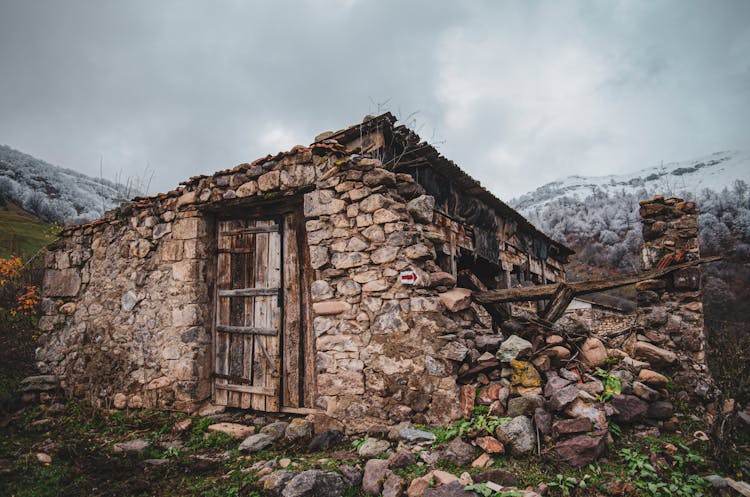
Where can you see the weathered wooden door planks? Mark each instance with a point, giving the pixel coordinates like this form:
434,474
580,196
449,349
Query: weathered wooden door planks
248,314
263,356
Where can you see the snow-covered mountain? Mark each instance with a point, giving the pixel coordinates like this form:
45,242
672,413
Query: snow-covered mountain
598,218
716,171
53,193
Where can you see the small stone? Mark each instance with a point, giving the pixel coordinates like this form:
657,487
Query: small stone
524,406
275,430
373,447
352,474
580,450
325,440
457,299
315,483
561,398
331,307
459,452
43,458
661,409
393,485
645,392
453,489
489,343
418,487
543,420
513,348
490,445
571,426
379,176
716,481
285,462
498,476
412,435
274,483
518,434
524,374
443,477
235,430
629,408
441,278
482,461
137,445
255,443
401,459
129,301
454,351
421,208
298,429
652,378
653,354
594,352
374,475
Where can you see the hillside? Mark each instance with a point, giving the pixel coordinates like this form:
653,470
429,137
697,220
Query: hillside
55,194
716,172
21,232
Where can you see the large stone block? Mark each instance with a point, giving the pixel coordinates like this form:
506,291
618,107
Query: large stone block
187,228
322,203
341,383
61,283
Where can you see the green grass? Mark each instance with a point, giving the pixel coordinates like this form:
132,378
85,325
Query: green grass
22,233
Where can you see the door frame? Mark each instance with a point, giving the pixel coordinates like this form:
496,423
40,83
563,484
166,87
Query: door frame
289,210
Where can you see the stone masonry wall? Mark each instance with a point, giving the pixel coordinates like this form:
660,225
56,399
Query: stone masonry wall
127,307
125,310
386,352
670,309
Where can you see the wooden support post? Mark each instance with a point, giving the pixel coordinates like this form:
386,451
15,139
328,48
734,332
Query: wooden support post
560,301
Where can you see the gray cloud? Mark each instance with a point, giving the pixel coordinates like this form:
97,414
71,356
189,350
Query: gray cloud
517,93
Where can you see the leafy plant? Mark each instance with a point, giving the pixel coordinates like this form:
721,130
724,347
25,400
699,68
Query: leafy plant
612,385
567,484
485,491
677,480
480,423
171,452
357,443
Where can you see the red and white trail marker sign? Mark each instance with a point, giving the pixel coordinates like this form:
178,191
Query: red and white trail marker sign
408,277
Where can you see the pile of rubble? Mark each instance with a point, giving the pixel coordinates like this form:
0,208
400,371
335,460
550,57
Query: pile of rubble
562,386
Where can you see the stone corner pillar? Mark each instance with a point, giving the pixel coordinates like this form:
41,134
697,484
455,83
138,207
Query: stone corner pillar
669,313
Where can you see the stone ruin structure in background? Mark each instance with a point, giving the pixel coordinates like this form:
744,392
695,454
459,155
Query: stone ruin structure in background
363,281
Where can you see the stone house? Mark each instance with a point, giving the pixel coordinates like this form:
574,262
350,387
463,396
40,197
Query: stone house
603,318
324,280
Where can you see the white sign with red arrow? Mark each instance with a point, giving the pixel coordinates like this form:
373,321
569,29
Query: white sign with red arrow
408,277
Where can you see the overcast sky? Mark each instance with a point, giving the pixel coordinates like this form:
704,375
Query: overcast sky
517,93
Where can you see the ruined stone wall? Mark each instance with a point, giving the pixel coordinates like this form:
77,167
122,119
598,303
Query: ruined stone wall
125,310
670,310
606,322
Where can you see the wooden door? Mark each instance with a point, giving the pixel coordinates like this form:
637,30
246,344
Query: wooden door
248,314
263,356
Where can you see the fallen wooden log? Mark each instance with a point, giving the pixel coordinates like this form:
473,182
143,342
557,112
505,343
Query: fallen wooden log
544,292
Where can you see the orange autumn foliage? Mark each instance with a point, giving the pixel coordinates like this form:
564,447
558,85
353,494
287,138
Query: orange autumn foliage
24,299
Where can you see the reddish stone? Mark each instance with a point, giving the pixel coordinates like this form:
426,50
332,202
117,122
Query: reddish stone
468,394
490,445
581,450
